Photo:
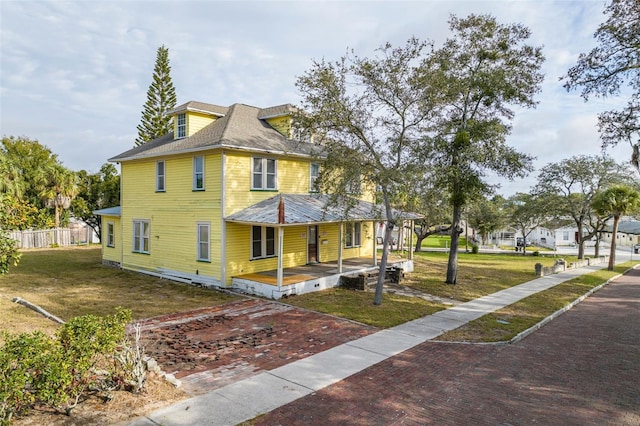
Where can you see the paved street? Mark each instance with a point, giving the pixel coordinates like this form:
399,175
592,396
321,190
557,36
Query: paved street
581,369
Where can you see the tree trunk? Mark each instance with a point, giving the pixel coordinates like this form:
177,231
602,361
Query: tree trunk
580,243
452,265
377,299
419,239
597,246
614,233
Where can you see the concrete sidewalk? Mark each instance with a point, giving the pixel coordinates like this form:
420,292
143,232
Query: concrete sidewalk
267,391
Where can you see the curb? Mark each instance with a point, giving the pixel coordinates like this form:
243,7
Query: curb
518,337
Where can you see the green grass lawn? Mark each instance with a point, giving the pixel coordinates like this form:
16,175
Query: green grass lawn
478,274
69,282
506,323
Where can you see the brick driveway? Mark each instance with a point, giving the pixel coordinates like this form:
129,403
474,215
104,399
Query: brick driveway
212,347
581,369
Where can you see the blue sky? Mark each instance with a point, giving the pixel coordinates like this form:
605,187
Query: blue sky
74,75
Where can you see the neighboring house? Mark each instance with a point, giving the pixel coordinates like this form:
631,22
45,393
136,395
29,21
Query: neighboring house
628,233
229,195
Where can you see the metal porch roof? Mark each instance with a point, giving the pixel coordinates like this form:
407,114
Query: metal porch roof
312,208
111,211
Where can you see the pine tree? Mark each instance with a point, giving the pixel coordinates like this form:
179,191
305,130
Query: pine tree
161,98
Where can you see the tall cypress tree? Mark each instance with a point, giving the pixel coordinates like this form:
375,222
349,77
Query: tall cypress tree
161,98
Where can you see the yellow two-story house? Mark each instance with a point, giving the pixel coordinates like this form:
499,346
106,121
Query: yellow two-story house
227,200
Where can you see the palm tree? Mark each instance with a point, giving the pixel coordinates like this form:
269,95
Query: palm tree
11,181
59,187
618,200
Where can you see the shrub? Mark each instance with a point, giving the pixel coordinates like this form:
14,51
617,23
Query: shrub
536,253
474,249
58,371
9,255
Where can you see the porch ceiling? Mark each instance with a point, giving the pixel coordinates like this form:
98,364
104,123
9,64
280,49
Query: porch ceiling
311,208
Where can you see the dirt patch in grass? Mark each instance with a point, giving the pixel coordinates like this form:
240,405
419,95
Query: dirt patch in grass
73,282
121,409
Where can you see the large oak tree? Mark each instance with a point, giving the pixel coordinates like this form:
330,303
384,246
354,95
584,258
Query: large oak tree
367,114
485,69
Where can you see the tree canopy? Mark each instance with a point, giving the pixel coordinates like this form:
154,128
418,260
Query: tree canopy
96,191
35,181
617,200
367,115
570,186
610,67
161,98
485,68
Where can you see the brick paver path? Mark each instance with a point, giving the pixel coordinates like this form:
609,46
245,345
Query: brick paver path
581,369
212,347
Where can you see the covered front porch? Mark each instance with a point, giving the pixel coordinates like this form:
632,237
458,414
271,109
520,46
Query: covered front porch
307,278
311,243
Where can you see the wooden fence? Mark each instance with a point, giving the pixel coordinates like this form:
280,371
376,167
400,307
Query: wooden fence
56,237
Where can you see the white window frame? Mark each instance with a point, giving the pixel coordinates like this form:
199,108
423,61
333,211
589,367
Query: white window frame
203,247
355,186
141,231
111,235
263,242
353,234
197,173
181,126
161,183
314,173
565,235
263,162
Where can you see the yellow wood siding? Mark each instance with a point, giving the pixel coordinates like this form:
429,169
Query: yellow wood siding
282,125
238,248
173,214
196,121
111,253
292,174
329,250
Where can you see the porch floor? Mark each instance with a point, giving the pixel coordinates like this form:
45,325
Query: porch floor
303,273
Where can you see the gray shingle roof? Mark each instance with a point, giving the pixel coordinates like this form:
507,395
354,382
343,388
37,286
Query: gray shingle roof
312,208
240,128
627,227
199,107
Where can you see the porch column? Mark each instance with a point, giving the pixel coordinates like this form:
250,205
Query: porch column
411,240
280,249
375,244
340,248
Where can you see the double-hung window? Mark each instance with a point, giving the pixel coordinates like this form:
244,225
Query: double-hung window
181,126
352,234
314,172
264,173
140,236
160,176
111,235
263,242
204,241
198,173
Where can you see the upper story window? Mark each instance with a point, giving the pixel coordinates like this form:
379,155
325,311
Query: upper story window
140,236
160,176
264,173
111,235
204,244
263,242
181,126
198,173
352,235
314,172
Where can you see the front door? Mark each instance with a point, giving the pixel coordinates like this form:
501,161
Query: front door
312,244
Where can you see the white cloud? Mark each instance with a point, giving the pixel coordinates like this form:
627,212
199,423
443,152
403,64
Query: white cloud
75,74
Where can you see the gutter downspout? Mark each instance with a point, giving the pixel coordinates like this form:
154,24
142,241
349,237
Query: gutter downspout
223,231
340,248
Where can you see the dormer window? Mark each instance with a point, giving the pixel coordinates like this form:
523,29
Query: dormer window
181,128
